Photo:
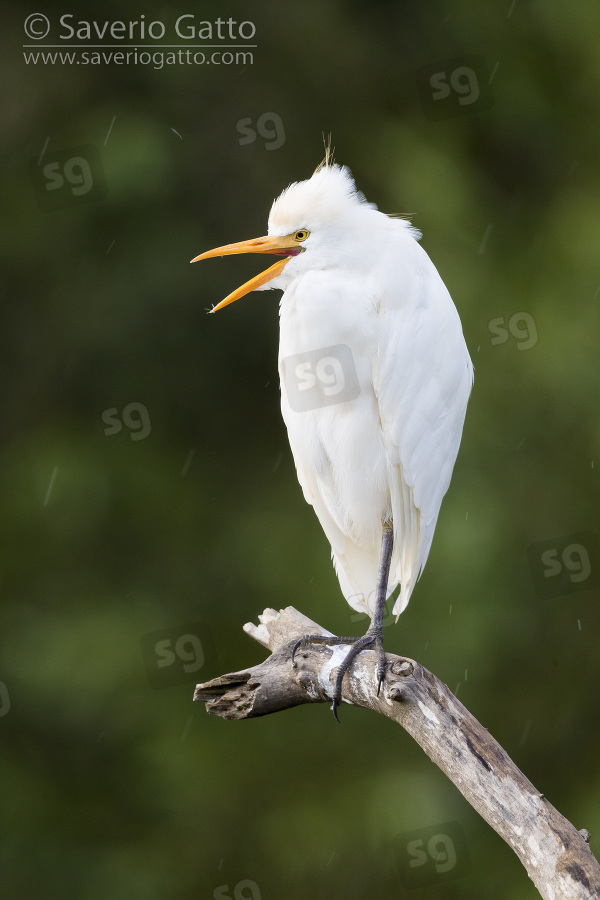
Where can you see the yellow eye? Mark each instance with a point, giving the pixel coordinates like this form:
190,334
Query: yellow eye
301,235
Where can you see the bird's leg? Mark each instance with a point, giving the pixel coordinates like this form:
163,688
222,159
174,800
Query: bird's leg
376,626
373,638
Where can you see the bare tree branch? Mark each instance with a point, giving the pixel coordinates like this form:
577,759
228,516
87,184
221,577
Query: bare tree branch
557,856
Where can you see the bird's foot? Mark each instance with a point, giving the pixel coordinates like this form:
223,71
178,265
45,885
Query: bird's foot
372,640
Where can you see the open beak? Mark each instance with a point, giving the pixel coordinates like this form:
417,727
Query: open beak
286,246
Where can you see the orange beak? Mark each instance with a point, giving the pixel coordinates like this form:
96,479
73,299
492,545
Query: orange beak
286,246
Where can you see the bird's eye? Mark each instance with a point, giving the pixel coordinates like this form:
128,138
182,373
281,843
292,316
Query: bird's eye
301,235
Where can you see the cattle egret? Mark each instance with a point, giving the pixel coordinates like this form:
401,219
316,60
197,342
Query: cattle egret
375,377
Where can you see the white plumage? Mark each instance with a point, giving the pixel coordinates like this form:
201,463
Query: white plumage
354,277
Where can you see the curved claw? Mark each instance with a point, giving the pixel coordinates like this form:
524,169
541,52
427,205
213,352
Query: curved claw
334,709
372,639
381,669
294,651
314,639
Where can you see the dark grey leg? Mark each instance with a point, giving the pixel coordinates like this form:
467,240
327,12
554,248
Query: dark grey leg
373,638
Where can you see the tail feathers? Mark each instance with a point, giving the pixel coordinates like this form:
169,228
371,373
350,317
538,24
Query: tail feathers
358,567
403,597
405,567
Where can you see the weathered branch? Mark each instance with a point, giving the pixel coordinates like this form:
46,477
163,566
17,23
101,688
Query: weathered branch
557,856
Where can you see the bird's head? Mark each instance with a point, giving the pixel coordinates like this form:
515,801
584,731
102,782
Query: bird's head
310,225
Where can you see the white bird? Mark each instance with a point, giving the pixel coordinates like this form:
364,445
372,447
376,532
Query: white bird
375,377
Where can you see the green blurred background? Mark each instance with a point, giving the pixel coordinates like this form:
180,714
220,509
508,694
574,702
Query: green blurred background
121,523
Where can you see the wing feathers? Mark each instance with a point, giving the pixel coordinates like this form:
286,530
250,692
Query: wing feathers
391,449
